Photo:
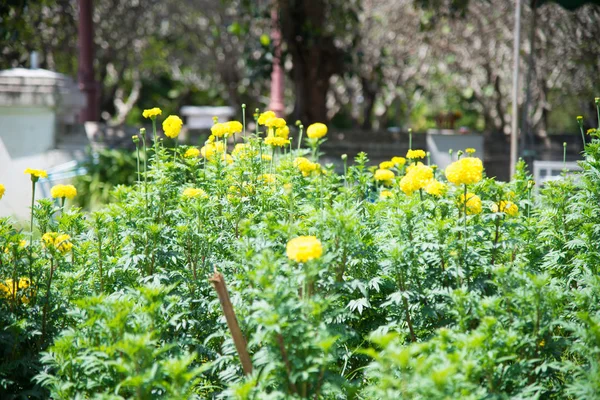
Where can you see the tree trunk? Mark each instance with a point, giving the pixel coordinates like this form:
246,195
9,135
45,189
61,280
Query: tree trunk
315,57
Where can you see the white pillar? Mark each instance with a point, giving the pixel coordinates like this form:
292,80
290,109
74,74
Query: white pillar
514,132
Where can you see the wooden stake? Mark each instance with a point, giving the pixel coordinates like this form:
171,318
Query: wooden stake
218,283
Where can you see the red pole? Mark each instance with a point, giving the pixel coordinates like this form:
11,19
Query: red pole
276,103
85,74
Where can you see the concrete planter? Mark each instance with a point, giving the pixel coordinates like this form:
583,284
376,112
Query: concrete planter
440,141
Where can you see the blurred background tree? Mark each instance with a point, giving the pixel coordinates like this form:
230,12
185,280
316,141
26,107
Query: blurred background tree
367,64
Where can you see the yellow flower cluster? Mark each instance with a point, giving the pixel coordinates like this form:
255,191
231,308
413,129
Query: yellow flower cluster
22,245
172,126
221,129
399,161
316,130
267,178
63,191
9,287
384,175
385,194
305,165
473,203
435,187
387,165
276,141
465,171
209,150
237,191
275,122
242,151
415,154
264,117
194,193
417,177
507,207
282,132
304,248
60,241
152,113
2,190
36,173
192,152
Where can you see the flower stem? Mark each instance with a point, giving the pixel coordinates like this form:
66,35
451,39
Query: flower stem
465,231
300,137
31,231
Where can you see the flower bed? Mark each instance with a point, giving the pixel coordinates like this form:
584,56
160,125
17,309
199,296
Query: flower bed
257,272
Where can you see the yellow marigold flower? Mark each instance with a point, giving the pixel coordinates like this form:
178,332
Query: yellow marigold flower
212,148
235,127
276,141
579,118
305,165
435,187
194,193
152,113
48,238
415,154
267,178
219,129
9,287
304,248
275,122
266,157
591,131
465,171
63,191
387,165
227,159
243,150
2,190
172,126
384,175
22,245
266,116
473,203
470,151
385,194
508,207
192,152
399,161
316,130
283,132
416,178
63,243
36,173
